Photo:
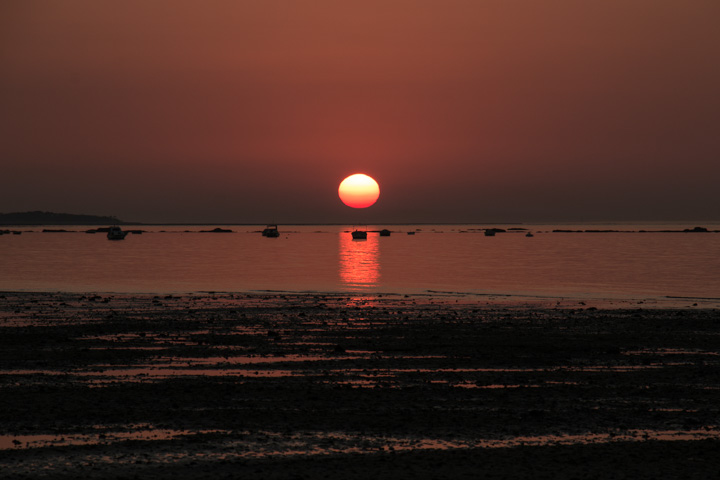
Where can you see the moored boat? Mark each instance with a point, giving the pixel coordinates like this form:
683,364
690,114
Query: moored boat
359,235
116,233
271,231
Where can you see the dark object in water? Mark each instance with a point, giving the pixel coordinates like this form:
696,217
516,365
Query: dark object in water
384,232
411,233
490,232
217,230
271,231
359,235
116,233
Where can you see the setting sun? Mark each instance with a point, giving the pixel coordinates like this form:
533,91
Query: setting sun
359,191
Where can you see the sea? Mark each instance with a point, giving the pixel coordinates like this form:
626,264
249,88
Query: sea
632,261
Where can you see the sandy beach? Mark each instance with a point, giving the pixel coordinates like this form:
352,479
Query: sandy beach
339,386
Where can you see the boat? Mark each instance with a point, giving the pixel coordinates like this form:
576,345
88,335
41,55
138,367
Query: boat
359,235
384,232
271,231
529,234
116,233
490,232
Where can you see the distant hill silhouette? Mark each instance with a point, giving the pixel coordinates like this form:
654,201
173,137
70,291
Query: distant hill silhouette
51,218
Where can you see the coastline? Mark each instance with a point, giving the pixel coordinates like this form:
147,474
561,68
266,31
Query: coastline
389,385
540,300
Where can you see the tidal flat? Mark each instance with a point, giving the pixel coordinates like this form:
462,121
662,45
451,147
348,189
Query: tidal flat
275,385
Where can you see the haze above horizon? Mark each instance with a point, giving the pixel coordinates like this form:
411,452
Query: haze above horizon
463,111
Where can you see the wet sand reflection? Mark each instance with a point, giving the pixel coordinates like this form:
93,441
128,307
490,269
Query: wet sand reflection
233,445
137,385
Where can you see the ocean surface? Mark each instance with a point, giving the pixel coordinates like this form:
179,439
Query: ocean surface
437,258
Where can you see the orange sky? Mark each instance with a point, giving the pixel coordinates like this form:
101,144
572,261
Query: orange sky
462,110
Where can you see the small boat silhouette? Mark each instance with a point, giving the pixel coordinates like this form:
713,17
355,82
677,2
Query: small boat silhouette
529,234
271,231
116,233
384,232
359,234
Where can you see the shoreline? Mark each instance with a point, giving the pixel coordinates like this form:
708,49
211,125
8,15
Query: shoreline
523,299
394,386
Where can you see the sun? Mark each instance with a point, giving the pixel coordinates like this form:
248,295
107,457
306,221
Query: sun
359,191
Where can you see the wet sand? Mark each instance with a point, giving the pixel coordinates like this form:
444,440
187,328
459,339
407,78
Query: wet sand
338,386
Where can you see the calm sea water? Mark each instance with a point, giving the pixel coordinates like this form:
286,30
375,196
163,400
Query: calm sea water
447,258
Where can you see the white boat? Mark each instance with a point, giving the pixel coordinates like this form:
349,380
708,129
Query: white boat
271,231
116,233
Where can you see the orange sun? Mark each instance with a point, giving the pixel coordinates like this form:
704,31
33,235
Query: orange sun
359,191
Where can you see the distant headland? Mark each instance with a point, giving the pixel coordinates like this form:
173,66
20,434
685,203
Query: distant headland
51,218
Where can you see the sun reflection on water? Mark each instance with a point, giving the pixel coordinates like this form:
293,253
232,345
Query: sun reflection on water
359,267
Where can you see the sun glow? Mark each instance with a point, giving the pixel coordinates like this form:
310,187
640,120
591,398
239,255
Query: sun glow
359,191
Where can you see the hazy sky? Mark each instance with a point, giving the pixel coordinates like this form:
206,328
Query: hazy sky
462,110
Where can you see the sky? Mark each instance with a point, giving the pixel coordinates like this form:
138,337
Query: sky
247,111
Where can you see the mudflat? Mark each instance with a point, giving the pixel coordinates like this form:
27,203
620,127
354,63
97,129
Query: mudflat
341,386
